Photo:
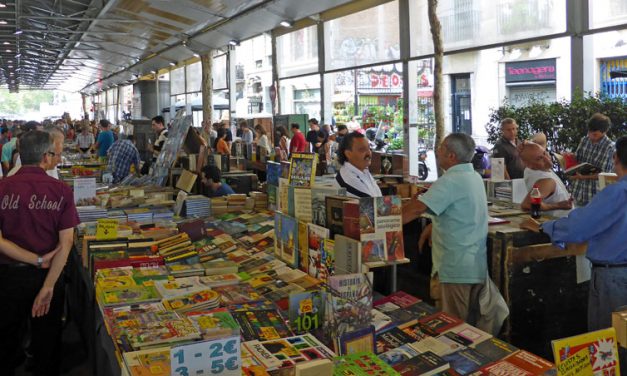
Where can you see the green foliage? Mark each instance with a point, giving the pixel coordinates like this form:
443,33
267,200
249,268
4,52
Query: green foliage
24,101
564,123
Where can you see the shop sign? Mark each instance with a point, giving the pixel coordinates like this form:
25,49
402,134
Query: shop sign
533,70
380,80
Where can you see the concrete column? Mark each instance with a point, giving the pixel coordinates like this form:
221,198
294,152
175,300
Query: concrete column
206,62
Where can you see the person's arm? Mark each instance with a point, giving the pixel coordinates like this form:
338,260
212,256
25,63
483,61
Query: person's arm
412,210
41,305
12,250
546,187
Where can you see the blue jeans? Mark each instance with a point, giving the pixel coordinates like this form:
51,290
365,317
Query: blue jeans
608,291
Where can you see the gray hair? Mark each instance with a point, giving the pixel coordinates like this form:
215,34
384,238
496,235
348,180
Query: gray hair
462,145
55,132
33,146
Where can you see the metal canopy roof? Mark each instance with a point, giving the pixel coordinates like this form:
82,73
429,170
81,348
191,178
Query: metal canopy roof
87,45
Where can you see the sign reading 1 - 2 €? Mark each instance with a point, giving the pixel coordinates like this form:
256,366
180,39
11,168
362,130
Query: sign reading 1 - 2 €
217,357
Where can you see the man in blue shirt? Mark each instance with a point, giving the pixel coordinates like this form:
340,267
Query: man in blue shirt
122,155
211,179
603,224
105,138
458,204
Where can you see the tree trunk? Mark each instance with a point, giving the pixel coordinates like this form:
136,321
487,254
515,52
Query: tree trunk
438,49
206,62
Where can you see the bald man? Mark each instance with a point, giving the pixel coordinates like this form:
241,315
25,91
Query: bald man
538,171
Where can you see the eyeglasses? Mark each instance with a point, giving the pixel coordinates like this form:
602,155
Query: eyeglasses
51,153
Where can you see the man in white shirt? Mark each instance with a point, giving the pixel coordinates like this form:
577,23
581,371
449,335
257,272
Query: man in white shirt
354,155
555,198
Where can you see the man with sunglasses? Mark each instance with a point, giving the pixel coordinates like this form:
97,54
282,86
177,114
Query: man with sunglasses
37,213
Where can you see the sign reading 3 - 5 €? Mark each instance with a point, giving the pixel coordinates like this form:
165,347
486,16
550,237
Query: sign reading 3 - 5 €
107,229
217,357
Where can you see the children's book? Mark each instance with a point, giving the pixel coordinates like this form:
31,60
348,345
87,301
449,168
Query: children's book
289,351
306,310
589,353
151,362
364,363
302,169
261,324
128,295
316,236
214,323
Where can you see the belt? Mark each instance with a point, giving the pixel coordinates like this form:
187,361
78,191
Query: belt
599,265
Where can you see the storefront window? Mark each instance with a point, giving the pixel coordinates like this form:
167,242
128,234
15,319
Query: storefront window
301,96
253,77
193,77
297,52
219,72
177,81
471,23
607,12
605,53
421,120
365,37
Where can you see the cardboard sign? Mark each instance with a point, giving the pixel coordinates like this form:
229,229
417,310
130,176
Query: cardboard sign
84,190
107,229
221,356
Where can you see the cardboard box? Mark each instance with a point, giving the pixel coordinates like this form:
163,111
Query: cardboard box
619,322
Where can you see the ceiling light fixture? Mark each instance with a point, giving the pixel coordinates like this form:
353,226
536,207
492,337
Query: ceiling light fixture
3,5
18,56
287,23
3,22
196,55
18,32
172,64
233,42
6,43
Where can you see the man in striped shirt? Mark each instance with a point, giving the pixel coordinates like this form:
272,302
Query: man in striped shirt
597,149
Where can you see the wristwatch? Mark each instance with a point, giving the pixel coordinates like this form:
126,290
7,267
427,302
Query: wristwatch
40,262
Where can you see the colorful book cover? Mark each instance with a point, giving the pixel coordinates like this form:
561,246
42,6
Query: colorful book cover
214,323
302,169
391,339
318,202
302,204
590,353
435,345
151,362
289,239
439,323
399,354
425,364
525,363
306,310
129,295
400,298
471,334
414,330
350,219
364,363
261,324
194,300
349,303
272,191
495,349
315,238
466,360
420,309
288,352
357,341
327,260
335,213
381,321
212,281
273,172
171,288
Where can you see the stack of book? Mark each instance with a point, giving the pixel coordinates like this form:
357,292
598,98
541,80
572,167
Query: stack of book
140,215
162,215
219,205
197,206
260,200
236,202
117,214
90,213
193,302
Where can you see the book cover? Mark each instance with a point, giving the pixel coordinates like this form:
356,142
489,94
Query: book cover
381,321
351,218
471,334
495,349
391,339
303,246
582,169
315,238
272,191
347,255
414,330
302,204
129,295
214,323
288,352
283,202
439,323
151,362
289,240
532,363
435,345
203,299
466,360
318,202
306,310
177,286
594,352
273,172
159,328
327,260
357,341
364,363
389,221
302,169
425,364
216,280
335,213
261,324
399,354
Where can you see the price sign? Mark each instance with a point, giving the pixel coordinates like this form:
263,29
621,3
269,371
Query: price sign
218,357
84,191
107,229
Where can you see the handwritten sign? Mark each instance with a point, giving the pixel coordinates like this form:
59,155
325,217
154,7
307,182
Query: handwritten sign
107,229
218,357
84,190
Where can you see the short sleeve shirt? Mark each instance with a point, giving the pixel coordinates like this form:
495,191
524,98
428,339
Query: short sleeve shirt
460,225
34,207
105,140
7,151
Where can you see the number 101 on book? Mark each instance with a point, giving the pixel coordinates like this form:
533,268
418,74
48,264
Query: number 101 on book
218,357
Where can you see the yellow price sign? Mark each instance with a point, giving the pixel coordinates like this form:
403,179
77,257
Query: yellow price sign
107,229
306,306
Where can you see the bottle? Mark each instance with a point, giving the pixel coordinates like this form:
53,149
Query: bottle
536,201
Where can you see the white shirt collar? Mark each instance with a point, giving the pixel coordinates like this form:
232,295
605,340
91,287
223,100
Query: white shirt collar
360,180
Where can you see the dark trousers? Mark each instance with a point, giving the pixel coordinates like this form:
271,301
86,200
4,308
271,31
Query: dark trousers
19,287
